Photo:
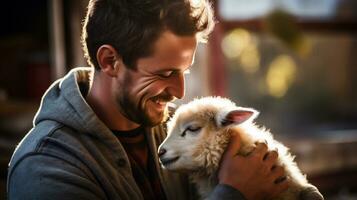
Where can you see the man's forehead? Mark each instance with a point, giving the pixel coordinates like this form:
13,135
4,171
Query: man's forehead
171,52
169,43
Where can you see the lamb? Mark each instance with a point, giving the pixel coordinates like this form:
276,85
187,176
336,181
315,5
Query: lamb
199,132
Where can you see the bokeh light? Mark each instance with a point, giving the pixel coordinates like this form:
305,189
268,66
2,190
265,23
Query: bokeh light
240,46
235,42
281,74
250,59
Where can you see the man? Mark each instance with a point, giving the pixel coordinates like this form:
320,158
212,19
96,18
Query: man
97,130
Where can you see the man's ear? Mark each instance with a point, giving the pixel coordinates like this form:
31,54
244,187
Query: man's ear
109,60
238,116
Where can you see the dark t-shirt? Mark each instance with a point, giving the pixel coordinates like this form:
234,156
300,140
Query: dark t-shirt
142,162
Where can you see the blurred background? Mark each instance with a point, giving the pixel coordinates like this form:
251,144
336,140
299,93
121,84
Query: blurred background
293,60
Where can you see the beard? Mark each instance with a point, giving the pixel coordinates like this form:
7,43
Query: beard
140,112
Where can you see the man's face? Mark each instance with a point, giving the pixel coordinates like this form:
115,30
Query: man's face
142,95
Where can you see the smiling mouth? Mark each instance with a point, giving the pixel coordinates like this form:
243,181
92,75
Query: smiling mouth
168,161
162,100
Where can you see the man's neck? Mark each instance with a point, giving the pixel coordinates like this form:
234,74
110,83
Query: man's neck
103,104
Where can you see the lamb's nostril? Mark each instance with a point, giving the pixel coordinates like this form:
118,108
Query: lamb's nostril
162,151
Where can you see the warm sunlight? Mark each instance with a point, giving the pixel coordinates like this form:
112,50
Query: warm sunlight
281,74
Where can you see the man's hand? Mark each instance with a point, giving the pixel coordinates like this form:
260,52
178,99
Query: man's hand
256,175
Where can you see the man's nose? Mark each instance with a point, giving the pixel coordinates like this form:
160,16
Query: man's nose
177,86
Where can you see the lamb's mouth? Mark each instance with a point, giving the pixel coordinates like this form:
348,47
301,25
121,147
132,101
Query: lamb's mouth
167,161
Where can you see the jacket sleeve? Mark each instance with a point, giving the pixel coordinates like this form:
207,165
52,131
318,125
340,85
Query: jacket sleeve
39,176
226,192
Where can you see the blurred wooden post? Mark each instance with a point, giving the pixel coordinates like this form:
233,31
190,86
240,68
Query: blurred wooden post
57,40
217,76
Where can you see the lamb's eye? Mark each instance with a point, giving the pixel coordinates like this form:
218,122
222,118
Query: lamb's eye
191,129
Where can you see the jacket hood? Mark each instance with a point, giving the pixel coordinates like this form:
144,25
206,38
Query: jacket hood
65,103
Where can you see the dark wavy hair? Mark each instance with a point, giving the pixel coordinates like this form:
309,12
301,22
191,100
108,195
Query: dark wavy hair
132,26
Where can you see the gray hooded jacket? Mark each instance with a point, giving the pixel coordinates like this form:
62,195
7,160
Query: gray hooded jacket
71,154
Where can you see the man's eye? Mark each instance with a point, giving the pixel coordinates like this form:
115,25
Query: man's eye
166,74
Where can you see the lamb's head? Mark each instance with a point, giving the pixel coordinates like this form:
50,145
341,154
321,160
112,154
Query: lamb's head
198,133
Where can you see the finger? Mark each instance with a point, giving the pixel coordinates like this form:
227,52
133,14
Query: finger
280,187
260,150
277,172
271,157
280,179
233,146
283,183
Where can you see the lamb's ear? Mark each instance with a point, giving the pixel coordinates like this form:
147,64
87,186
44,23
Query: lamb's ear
238,116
